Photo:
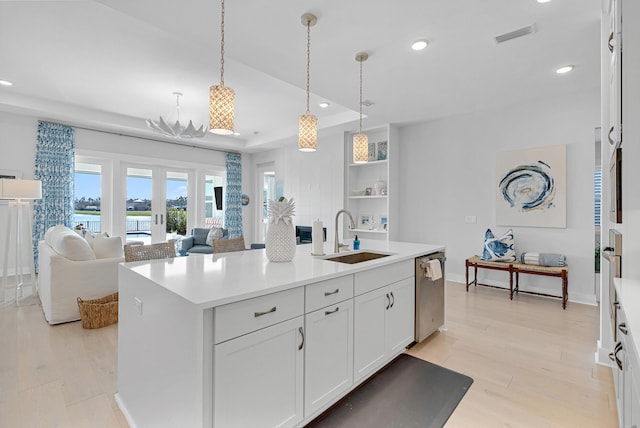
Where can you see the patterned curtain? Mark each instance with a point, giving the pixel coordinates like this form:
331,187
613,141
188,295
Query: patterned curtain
233,200
55,158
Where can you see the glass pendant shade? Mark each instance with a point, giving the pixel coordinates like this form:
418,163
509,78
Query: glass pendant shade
221,99
360,148
308,133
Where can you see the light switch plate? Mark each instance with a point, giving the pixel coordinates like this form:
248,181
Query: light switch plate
138,305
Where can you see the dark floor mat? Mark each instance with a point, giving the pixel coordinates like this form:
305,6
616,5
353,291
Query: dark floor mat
408,393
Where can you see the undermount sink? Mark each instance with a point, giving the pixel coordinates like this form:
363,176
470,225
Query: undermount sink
360,257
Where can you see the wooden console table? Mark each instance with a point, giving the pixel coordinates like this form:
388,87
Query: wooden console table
518,268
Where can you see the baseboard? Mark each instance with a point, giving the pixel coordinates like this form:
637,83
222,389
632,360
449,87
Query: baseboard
602,355
124,411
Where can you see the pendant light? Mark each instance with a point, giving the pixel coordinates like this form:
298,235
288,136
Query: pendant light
308,123
361,140
221,97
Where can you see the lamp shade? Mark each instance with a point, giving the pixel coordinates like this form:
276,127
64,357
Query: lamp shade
20,189
360,148
221,99
308,133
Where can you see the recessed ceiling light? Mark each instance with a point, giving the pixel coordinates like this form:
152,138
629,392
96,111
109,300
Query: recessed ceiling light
324,105
5,83
418,45
544,1
565,69
236,133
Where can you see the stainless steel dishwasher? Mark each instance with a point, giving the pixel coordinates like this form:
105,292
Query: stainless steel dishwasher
429,297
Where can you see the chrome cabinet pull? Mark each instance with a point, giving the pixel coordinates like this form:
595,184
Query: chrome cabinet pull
388,301
611,42
333,311
609,136
259,314
156,218
616,304
329,293
161,218
623,328
615,354
301,331
394,299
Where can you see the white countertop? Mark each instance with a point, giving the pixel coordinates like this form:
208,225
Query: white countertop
218,279
629,298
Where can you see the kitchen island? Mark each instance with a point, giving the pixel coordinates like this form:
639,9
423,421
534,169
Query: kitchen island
235,340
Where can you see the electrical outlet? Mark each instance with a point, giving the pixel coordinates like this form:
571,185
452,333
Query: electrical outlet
470,219
138,305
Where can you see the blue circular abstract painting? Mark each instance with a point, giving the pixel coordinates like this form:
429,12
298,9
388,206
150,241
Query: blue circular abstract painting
529,187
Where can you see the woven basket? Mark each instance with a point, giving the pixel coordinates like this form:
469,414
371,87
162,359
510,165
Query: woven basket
99,312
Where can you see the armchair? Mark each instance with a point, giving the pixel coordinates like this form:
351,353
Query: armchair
197,241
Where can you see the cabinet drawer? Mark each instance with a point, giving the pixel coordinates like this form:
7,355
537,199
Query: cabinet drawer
327,293
236,319
385,275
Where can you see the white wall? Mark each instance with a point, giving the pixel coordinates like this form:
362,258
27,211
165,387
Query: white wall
315,180
448,172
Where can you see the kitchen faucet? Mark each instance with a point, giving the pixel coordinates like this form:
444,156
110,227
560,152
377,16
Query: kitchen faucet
336,242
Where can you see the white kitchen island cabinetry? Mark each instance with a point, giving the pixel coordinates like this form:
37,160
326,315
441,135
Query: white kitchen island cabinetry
235,340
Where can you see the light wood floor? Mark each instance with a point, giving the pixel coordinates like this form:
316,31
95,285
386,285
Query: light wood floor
532,365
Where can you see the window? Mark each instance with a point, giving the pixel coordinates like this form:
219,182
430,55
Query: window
87,196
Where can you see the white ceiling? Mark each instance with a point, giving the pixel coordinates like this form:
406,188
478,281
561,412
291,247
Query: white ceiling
110,64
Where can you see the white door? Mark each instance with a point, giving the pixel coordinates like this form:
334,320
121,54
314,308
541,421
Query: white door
369,332
259,378
328,354
400,316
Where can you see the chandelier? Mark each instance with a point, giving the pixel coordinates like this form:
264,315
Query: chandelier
177,130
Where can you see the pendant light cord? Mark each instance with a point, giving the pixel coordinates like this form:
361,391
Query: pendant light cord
178,106
222,46
361,96
308,59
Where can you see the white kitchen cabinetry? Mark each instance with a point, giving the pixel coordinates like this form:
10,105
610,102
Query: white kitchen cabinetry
375,205
259,378
383,325
328,355
626,372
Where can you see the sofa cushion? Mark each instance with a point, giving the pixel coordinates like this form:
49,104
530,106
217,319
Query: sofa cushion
68,243
200,235
106,247
201,249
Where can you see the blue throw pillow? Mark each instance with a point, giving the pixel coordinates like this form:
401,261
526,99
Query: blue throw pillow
499,249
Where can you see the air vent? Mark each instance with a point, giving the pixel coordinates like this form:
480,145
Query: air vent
367,103
515,34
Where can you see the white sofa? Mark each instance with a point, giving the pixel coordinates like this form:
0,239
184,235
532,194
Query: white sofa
69,268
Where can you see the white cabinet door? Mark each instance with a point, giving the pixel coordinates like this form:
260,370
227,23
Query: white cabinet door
328,354
259,378
369,331
400,315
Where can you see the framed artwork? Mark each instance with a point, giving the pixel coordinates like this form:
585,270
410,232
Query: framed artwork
531,187
382,150
383,220
373,154
365,221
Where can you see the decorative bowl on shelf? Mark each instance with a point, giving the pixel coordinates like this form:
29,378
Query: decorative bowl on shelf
357,192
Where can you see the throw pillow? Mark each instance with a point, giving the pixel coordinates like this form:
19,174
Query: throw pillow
69,244
214,233
106,247
499,249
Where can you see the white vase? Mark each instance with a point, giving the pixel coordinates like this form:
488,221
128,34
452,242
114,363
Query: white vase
380,186
280,244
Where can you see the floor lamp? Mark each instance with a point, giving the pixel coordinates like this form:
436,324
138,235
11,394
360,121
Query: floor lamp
20,193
